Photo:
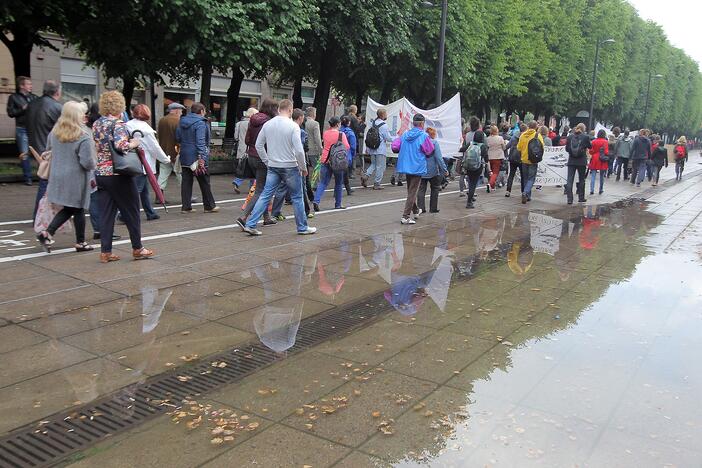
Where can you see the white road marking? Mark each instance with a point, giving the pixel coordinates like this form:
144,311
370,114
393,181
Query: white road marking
207,229
159,207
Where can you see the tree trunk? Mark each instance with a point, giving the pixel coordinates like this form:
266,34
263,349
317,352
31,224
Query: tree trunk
206,85
360,92
321,97
128,91
297,93
386,92
233,110
20,49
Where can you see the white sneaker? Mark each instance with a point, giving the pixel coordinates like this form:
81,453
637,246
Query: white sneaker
407,221
420,211
308,231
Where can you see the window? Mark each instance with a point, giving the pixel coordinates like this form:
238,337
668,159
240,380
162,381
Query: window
308,93
78,92
280,96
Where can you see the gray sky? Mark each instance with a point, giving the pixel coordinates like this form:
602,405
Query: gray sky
681,20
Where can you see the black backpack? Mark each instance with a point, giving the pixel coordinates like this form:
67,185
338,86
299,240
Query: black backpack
576,147
536,150
373,135
337,156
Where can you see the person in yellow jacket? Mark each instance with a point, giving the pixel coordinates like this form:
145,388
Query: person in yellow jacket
529,169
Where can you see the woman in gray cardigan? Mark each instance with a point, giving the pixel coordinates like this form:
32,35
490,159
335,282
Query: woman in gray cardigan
73,161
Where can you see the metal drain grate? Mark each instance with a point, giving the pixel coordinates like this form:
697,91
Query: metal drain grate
55,438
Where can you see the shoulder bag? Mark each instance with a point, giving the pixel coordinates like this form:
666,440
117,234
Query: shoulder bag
124,162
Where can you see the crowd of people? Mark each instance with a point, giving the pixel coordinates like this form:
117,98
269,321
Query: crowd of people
86,153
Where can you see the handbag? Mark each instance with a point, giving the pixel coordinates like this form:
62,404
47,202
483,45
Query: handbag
44,162
124,162
243,170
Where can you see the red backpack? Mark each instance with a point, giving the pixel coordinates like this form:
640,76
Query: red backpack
680,151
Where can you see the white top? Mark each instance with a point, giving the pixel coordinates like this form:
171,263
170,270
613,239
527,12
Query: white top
279,144
149,143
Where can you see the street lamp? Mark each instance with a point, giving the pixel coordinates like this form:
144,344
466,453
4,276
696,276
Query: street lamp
442,45
648,93
594,76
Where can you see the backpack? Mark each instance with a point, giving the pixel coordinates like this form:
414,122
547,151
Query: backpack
576,148
535,150
473,159
373,135
679,152
337,156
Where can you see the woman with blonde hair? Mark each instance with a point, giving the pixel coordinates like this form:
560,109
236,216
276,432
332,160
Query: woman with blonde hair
152,153
496,154
72,163
116,191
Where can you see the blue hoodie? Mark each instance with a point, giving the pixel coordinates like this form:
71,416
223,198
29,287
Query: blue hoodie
414,147
193,134
351,137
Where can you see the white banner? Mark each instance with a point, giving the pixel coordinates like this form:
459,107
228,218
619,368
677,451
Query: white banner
446,119
545,233
552,169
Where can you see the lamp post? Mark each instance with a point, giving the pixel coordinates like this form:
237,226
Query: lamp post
648,93
442,46
594,77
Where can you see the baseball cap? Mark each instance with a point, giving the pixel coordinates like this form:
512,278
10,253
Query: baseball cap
418,118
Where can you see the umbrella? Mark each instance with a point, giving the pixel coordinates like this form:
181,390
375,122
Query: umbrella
150,175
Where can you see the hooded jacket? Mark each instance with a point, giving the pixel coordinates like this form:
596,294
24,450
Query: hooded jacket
351,137
641,149
255,125
523,144
413,146
622,149
193,134
660,156
435,163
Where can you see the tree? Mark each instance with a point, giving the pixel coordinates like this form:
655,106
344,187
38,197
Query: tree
22,24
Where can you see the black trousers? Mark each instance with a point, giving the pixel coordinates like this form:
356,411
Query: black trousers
261,173
347,183
513,167
473,177
118,192
186,190
64,215
623,163
581,170
435,186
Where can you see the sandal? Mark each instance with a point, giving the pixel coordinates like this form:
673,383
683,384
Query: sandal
84,247
45,240
142,253
108,257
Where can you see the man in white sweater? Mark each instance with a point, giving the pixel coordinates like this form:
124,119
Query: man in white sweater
280,148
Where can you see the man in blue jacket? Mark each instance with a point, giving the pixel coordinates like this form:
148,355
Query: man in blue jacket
193,135
413,146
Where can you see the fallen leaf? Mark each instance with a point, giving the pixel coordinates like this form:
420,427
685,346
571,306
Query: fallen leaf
216,441
375,414
218,294
428,413
418,406
507,343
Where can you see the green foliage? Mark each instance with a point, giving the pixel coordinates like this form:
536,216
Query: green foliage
507,55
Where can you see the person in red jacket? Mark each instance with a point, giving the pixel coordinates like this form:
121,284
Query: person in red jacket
599,161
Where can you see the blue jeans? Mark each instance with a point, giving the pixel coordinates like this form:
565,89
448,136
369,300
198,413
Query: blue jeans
529,173
324,179
638,171
377,166
279,199
95,212
143,189
291,176
43,183
23,146
593,176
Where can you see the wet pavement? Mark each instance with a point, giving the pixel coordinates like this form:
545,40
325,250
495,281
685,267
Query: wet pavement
518,336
